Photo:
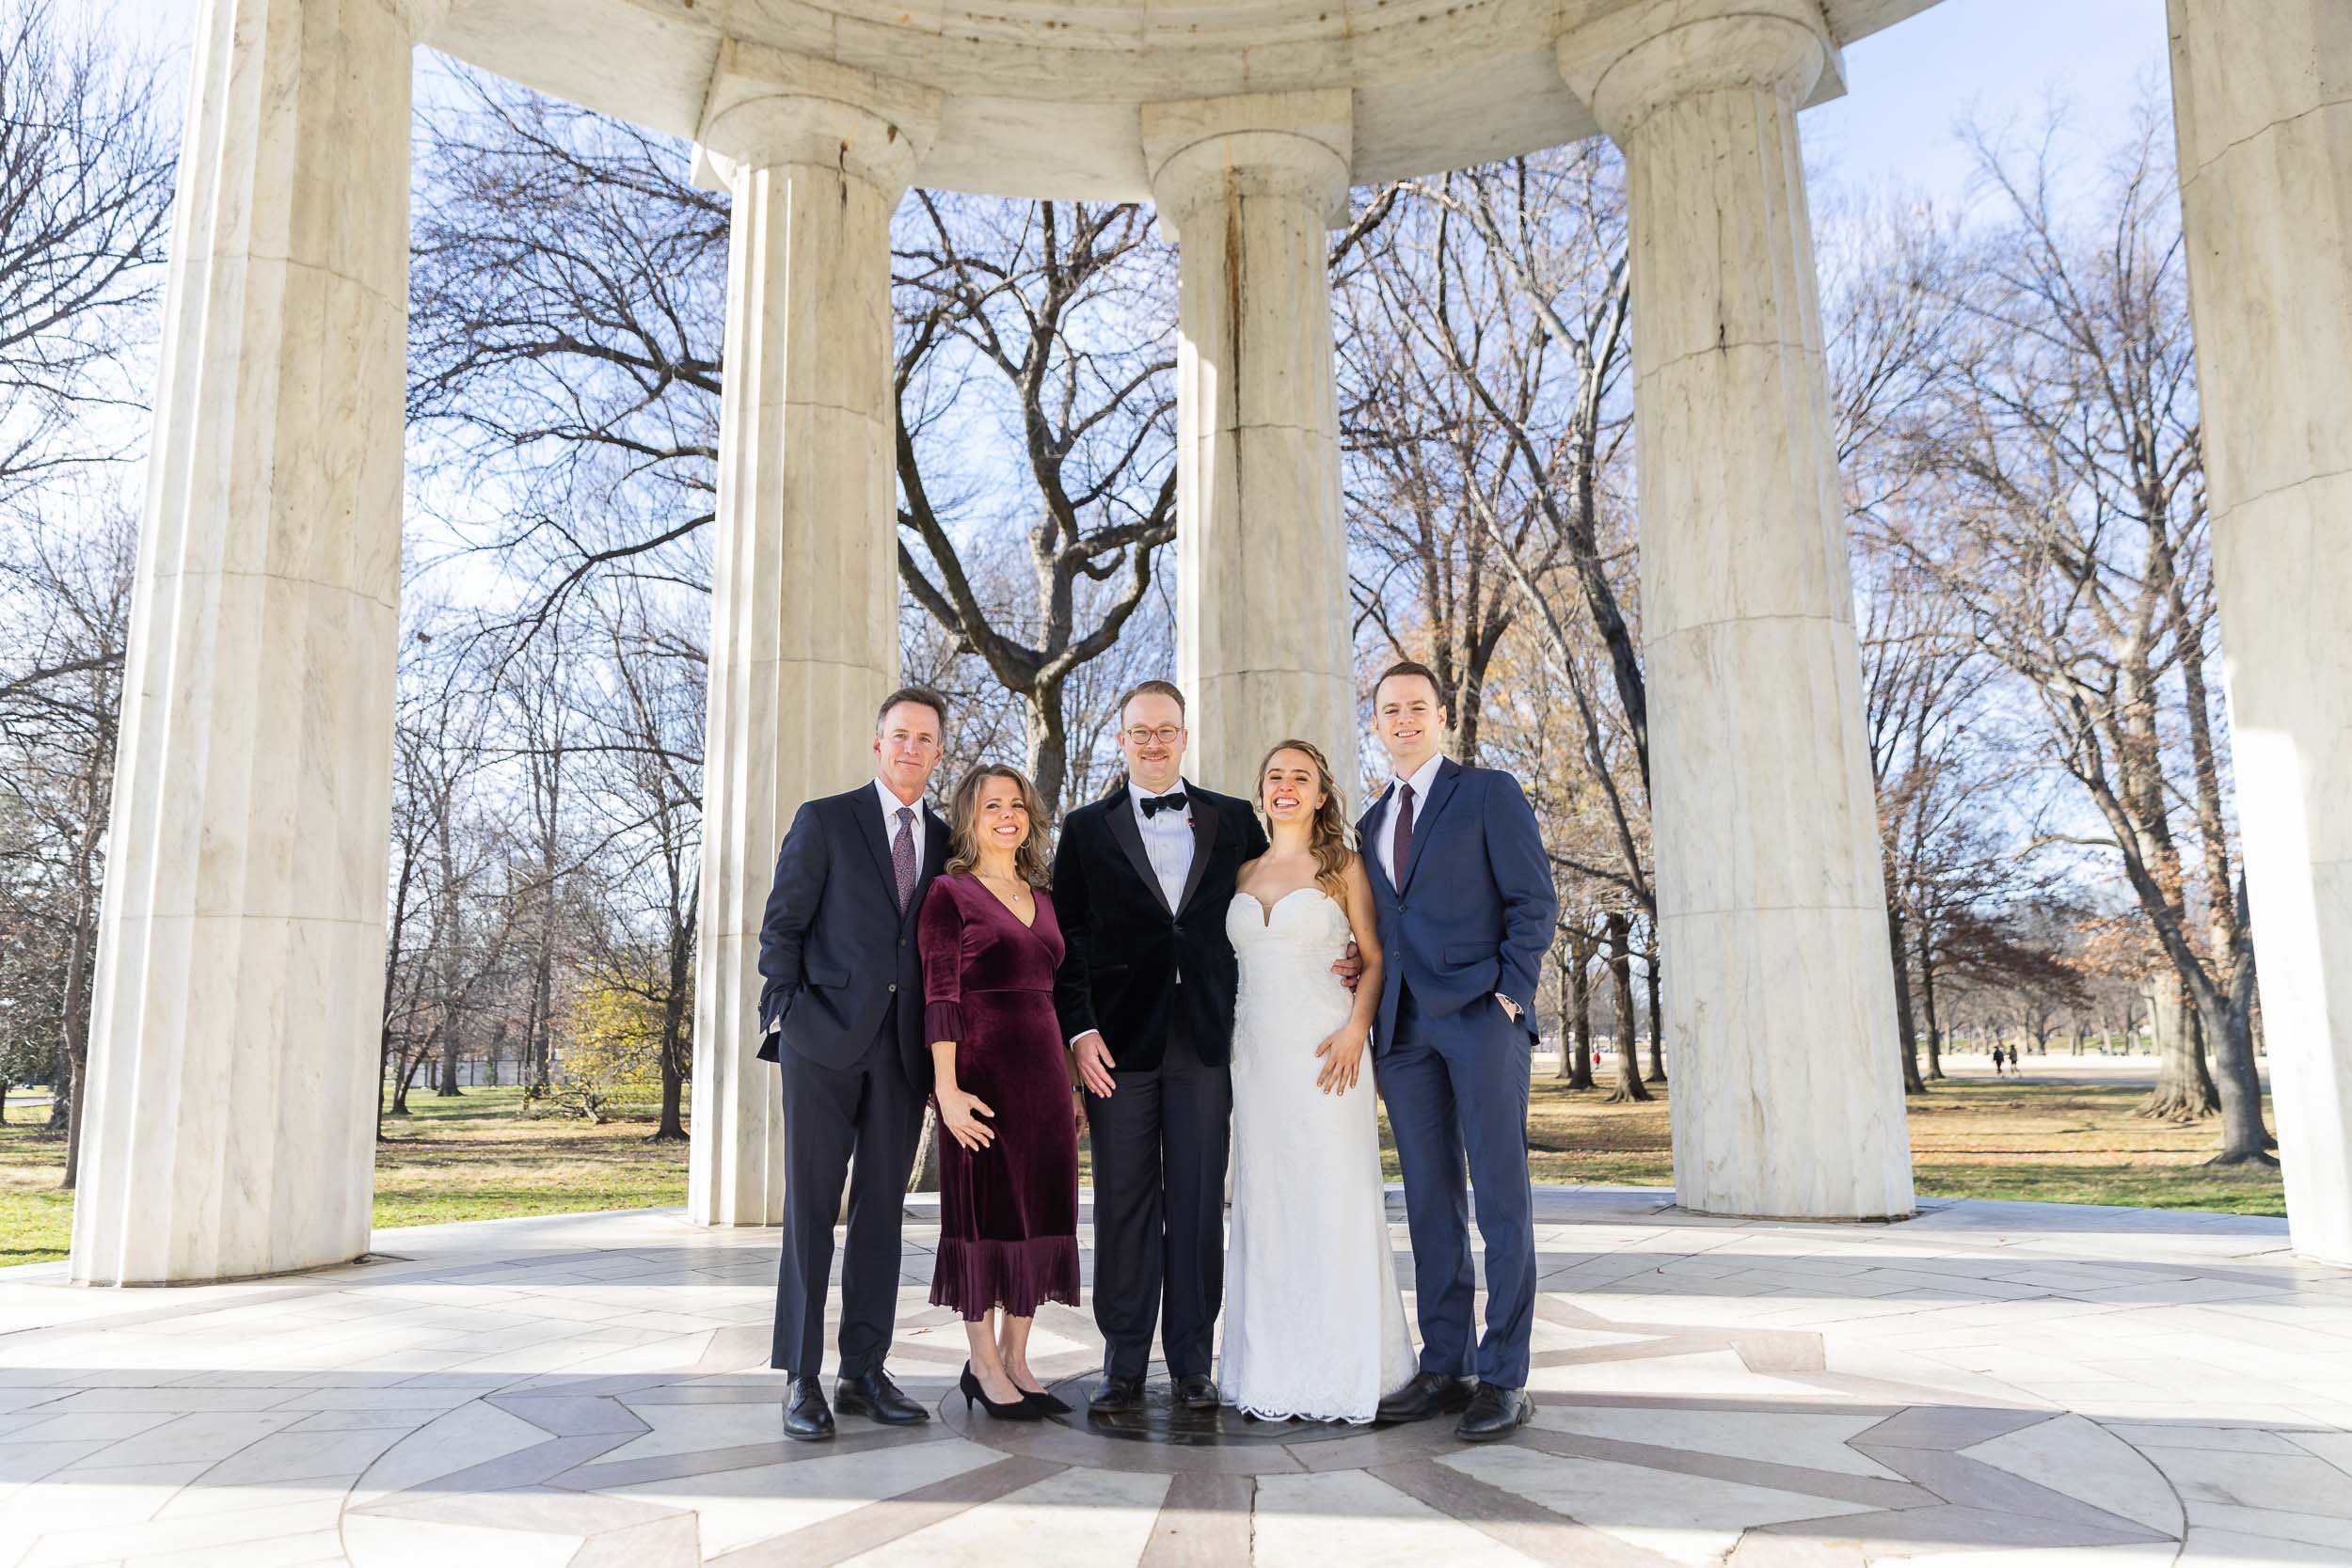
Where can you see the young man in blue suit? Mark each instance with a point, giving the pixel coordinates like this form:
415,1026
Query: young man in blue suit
1463,887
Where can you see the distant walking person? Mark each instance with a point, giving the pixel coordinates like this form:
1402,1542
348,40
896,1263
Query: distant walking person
1008,1105
844,977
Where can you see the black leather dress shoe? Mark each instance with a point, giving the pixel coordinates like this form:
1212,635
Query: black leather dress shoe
807,1418
1494,1414
1427,1394
1117,1396
874,1396
1196,1391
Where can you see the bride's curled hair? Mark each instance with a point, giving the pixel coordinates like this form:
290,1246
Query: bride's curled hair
1327,835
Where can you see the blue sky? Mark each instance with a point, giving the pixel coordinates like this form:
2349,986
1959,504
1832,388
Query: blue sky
1906,87
1994,60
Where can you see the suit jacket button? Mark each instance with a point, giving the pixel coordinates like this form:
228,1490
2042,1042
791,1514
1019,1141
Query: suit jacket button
894,986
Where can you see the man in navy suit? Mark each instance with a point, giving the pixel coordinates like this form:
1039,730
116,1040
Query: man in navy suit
1463,887
844,1000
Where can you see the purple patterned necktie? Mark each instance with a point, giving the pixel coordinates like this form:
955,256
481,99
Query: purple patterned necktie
1401,844
902,857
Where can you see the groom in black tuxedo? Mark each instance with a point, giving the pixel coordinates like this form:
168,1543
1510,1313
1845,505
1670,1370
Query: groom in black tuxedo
1141,883
844,1000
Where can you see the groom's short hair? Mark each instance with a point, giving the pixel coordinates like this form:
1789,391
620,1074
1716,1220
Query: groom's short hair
1410,667
1150,688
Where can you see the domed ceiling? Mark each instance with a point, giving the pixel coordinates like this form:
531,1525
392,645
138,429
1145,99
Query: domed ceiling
1041,95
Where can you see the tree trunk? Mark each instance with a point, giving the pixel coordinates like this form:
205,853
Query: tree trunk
1049,751
1580,1012
672,1128
1582,947
447,1086
536,1039
2245,1137
74,1043
1657,1014
2185,1089
1628,1085
1906,1034
406,1076
1926,1005
1566,1009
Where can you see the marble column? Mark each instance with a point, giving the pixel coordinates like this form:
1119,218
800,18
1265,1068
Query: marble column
804,600
2261,97
1779,998
230,1121
1251,187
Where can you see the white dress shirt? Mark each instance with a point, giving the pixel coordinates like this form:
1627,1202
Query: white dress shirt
1166,838
1384,835
891,806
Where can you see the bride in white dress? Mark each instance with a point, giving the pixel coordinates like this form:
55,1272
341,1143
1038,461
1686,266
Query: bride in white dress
1314,1324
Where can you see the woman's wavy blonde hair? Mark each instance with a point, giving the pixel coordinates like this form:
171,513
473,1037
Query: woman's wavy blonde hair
1327,835
964,839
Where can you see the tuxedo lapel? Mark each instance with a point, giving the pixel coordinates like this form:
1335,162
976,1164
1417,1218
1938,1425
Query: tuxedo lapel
1440,791
1203,840
1120,818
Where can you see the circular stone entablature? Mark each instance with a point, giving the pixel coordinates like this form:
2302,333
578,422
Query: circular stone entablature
1041,98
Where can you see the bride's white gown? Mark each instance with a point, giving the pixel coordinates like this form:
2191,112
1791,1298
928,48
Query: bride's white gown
1315,1325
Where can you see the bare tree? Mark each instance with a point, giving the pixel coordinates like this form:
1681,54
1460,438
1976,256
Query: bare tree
568,291
646,744
1044,305
2071,446
1483,350
65,592
85,179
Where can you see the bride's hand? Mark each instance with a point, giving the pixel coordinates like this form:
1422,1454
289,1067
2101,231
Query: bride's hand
1343,1056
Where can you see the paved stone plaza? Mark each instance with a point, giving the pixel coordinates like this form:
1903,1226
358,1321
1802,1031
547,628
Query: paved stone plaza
1995,1384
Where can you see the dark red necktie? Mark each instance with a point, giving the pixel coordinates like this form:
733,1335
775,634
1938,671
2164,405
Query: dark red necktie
1401,844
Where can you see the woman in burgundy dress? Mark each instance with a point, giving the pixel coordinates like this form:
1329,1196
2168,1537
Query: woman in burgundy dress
1007,1103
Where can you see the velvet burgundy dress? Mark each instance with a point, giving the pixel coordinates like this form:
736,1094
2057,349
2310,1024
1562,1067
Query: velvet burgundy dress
1008,1213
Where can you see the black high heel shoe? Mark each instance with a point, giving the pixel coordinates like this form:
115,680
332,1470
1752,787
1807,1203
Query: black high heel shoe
1016,1410
1047,1404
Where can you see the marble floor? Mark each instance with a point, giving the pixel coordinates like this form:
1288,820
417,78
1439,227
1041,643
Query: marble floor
1991,1384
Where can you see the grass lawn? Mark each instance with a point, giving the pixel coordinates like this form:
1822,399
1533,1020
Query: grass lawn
477,1157
1970,1137
472,1158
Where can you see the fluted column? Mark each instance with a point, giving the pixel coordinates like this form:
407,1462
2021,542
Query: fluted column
1253,185
2261,97
1779,999
804,602
230,1125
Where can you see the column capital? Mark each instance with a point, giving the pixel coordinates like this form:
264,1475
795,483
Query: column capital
1282,144
420,16
1629,63
769,106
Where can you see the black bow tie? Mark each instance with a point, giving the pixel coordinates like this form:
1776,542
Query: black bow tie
1155,804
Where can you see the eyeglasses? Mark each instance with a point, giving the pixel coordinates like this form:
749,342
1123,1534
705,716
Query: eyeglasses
1165,734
